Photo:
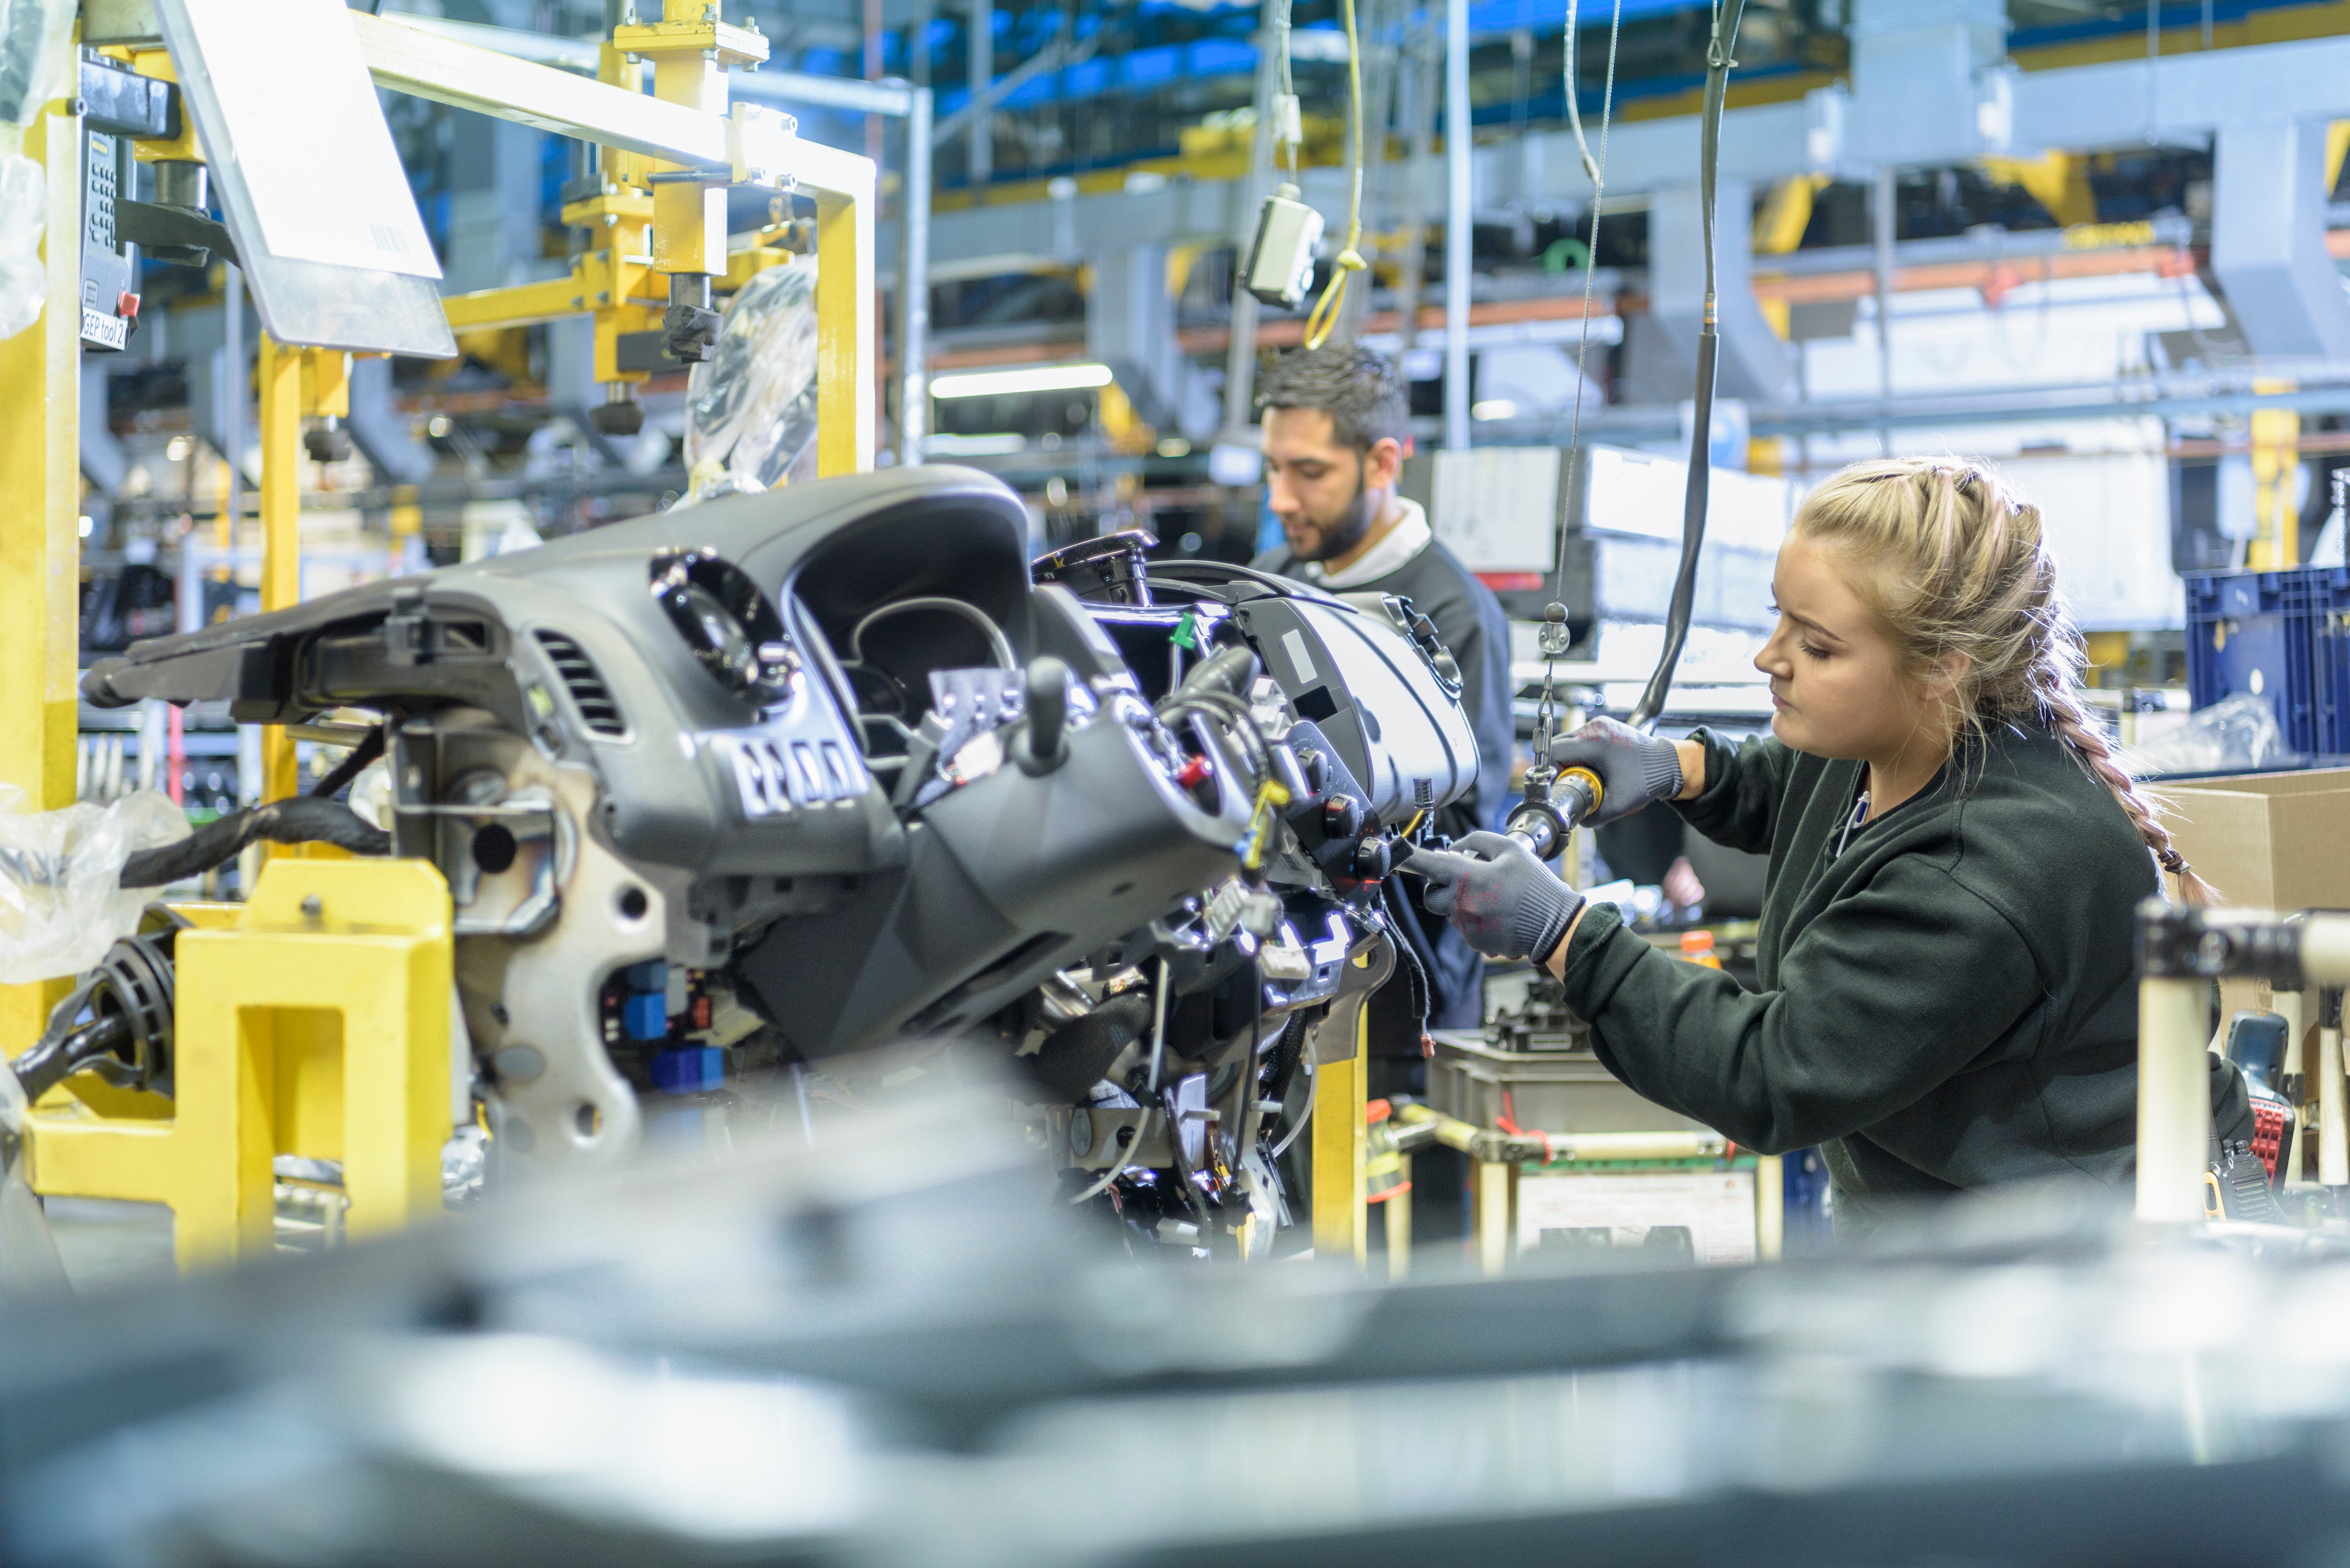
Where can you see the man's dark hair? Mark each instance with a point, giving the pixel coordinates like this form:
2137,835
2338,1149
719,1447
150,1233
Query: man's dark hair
1357,387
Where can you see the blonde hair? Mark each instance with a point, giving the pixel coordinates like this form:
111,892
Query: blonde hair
1959,566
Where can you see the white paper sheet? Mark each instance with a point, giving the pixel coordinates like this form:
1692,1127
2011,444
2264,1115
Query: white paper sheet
309,136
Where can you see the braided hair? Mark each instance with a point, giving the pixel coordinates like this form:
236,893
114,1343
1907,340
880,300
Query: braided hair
1964,569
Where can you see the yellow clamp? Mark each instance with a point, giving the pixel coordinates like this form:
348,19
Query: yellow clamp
1270,797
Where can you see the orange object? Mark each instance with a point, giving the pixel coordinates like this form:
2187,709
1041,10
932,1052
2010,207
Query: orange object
1697,946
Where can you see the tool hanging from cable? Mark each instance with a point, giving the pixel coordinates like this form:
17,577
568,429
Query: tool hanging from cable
1538,819
1554,803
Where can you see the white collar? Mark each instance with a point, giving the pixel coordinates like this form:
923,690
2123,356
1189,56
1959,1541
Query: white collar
1408,538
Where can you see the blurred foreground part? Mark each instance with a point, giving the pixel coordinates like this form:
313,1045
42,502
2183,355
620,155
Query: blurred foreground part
887,1351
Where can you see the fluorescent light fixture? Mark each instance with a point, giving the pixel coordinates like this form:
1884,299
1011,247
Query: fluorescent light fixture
1026,378
1493,409
1001,445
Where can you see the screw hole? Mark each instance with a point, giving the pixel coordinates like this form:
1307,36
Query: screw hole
494,848
632,903
588,1119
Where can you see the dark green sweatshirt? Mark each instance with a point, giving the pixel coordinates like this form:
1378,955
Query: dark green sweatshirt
1947,1004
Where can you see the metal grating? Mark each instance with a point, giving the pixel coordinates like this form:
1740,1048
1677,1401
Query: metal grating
588,692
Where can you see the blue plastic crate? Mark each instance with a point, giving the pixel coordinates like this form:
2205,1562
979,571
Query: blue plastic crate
2324,607
2250,632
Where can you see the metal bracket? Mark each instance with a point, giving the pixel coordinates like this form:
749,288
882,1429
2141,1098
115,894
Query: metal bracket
2178,941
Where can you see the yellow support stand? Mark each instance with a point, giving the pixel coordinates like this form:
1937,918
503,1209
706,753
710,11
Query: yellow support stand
279,371
1493,1205
318,1026
40,505
1341,1218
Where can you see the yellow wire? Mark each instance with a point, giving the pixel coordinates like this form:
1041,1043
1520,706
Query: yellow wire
1323,316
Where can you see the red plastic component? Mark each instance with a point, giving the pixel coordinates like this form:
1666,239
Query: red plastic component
1196,772
2268,1135
126,306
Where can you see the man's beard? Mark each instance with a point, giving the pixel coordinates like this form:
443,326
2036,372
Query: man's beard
1338,538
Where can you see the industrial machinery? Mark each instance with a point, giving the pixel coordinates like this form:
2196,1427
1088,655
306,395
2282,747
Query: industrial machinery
825,779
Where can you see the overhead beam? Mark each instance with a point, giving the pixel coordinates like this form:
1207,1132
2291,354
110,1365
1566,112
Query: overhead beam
429,65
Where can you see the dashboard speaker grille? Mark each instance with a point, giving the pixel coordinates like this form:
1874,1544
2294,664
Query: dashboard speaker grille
588,692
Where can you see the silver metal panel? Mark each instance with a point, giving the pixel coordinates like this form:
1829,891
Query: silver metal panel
2084,107
412,60
1459,196
913,285
2268,241
309,302
1753,363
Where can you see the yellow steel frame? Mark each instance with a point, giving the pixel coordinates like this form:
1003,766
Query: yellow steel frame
318,1023
318,1026
665,230
1341,1147
40,501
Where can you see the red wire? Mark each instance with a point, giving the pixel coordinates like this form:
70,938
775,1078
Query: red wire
1507,1122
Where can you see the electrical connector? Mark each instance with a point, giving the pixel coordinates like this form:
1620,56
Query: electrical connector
1280,260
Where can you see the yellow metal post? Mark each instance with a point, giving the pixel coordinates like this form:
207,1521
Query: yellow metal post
844,326
280,374
40,501
2174,1100
1770,1206
1341,1221
2276,459
1398,1210
318,1026
1493,1200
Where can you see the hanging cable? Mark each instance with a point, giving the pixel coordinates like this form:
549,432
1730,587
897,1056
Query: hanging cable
1555,634
1591,167
1323,316
1717,64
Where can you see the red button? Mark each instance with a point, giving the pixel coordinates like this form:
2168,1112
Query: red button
126,306
1195,773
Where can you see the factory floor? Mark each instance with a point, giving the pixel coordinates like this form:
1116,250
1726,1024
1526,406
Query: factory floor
105,1243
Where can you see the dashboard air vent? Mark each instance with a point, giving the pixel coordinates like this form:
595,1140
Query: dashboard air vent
588,692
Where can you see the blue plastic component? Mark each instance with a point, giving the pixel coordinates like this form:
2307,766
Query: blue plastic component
689,1070
646,1016
2325,603
2251,633
651,975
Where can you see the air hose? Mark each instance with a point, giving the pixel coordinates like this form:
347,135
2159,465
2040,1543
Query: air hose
1718,62
1555,803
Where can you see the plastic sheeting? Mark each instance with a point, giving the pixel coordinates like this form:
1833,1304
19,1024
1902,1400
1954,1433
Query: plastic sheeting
2235,734
750,407
35,55
61,901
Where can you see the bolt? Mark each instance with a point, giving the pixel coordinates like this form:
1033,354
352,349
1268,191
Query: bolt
312,907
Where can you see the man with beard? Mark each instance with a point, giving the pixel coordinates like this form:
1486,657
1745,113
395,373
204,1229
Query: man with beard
1337,422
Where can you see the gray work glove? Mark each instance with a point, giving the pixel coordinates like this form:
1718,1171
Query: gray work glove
1634,769
1496,894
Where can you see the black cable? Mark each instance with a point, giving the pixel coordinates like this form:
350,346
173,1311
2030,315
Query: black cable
58,1057
1718,62
305,819
349,768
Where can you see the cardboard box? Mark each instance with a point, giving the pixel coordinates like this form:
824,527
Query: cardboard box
2266,841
